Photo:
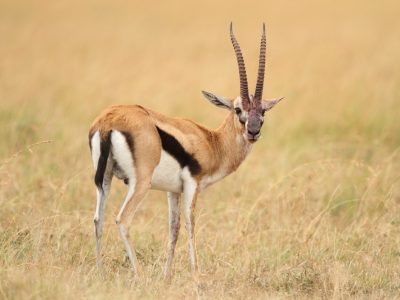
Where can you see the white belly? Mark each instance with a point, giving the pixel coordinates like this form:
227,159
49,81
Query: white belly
167,174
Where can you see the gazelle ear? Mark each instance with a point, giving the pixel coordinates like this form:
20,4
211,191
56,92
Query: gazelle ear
218,101
268,104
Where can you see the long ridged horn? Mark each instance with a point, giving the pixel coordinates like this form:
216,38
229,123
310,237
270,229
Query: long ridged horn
261,68
244,91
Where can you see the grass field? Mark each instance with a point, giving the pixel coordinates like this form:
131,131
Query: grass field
317,213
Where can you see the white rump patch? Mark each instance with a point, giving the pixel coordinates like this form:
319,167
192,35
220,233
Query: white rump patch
95,143
167,174
122,155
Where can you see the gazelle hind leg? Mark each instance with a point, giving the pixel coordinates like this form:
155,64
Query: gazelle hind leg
103,165
174,226
102,195
124,219
125,148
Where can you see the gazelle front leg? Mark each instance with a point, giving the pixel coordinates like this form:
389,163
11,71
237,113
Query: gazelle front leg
190,194
174,226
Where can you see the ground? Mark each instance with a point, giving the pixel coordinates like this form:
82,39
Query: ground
317,210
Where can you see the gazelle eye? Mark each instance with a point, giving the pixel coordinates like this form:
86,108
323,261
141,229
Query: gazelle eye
238,110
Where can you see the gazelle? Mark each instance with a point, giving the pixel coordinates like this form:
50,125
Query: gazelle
148,150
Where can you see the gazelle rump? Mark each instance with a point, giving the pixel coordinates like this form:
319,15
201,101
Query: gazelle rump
151,151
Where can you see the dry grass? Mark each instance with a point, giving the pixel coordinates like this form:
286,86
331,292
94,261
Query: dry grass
316,213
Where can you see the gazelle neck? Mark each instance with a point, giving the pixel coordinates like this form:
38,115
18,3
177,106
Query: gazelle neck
232,144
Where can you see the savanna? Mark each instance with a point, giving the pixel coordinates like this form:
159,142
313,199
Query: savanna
316,213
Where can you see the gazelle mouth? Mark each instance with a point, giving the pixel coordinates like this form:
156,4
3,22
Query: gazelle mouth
252,138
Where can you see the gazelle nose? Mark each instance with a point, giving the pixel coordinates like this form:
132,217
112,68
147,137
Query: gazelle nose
253,132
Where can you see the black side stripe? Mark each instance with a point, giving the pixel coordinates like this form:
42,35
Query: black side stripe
173,147
105,143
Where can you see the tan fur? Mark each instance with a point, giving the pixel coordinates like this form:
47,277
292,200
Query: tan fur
219,152
213,154
222,149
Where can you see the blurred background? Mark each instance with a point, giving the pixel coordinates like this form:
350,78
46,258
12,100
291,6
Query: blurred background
317,213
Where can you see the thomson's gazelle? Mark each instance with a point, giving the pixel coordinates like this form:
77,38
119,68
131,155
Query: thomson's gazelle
151,151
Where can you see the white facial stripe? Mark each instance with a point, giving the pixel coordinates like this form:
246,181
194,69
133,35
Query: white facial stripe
95,142
244,114
238,102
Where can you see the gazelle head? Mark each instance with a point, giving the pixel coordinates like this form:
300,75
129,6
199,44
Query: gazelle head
249,109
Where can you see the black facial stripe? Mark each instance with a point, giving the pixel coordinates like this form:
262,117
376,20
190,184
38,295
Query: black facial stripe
173,147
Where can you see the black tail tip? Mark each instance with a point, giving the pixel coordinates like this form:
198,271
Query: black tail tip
105,144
